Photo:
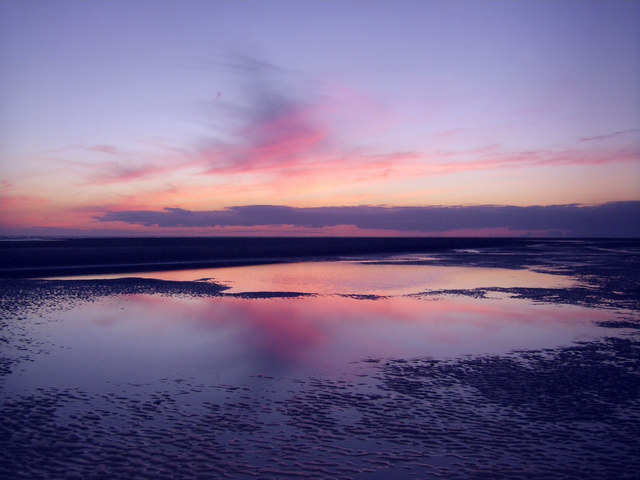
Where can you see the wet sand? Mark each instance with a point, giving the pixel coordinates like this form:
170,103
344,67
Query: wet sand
568,412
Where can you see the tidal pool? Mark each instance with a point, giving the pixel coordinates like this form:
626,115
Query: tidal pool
394,277
227,339
357,310
371,370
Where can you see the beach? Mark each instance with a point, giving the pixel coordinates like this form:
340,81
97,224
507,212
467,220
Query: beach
320,358
51,256
335,240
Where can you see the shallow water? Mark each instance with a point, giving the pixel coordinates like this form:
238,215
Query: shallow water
417,383
355,277
134,338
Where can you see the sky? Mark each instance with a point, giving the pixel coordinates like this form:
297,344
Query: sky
404,117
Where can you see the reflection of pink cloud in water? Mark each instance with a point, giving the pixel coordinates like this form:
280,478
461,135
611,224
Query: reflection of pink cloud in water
328,332
278,333
143,337
273,331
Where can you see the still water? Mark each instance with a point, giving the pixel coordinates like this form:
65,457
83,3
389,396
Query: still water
352,277
228,339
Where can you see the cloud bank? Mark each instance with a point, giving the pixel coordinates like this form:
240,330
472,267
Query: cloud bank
619,219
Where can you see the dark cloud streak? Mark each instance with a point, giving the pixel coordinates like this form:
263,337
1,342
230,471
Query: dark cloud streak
631,131
619,219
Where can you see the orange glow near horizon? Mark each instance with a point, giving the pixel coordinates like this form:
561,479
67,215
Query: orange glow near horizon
115,119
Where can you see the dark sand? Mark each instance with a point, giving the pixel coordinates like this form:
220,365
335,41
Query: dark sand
570,412
103,255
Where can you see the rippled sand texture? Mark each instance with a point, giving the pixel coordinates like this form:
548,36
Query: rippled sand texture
566,412
570,413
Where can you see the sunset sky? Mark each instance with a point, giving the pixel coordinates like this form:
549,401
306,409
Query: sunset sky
200,117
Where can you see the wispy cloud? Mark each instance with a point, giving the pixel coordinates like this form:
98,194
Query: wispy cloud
283,135
608,136
113,172
278,140
570,156
278,129
612,219
109,149
122,166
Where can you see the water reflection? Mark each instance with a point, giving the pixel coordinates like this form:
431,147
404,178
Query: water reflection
132,339
357,277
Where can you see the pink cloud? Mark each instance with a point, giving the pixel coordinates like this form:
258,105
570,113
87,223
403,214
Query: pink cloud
291,148
110,149
281,142
115,172
131,168
287,161
614,135
493,159
285,142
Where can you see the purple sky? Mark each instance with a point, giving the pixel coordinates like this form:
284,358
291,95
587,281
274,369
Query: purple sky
115,112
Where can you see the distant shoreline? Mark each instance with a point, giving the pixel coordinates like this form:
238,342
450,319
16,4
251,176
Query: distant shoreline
78,256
